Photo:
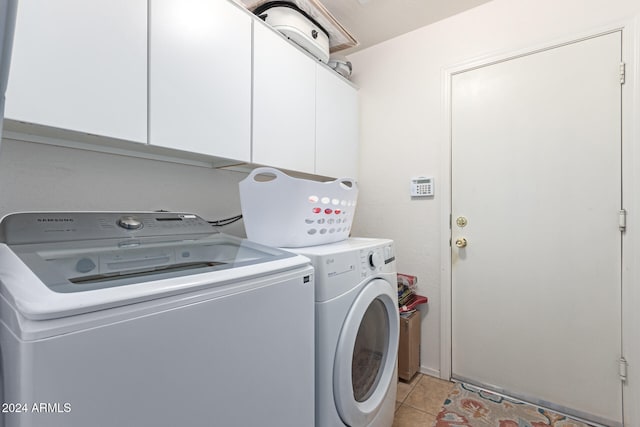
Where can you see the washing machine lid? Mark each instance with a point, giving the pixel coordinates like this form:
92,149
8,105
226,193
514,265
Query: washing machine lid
62,263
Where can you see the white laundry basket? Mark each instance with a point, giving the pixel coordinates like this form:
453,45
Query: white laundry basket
292,212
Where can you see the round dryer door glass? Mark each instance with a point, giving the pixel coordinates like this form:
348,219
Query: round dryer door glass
364,373
369,355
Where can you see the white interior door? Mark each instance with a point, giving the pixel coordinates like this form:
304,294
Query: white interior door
536,173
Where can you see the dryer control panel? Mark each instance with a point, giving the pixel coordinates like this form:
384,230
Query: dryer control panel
375,260
343,266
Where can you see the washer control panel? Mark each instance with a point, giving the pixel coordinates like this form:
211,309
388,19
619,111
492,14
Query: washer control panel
43,227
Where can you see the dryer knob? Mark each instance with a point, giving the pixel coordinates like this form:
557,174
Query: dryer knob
375,260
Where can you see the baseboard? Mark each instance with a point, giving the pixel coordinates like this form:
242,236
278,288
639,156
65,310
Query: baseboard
431,372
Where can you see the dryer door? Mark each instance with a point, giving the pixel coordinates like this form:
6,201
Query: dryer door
366,353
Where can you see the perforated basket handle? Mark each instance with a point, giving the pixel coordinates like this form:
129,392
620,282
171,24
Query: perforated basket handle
348,183
278,174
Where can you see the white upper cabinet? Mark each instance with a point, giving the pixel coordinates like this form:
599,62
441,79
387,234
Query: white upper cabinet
284,83
336,125
81,65
200,77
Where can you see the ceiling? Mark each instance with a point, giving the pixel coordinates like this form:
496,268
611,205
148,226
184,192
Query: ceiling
374,21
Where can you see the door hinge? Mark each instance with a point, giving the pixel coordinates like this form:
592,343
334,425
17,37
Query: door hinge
623,369
622,221
622,73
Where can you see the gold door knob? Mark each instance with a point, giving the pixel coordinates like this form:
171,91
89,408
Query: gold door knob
461,242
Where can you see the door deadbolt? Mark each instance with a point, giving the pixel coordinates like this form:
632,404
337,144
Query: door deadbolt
461,242
461,221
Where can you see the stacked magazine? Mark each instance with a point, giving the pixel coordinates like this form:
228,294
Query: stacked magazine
408,299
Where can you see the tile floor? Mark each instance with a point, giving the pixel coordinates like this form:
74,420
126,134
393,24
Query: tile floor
419,401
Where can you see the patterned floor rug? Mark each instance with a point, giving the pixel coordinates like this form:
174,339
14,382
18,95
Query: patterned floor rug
470,407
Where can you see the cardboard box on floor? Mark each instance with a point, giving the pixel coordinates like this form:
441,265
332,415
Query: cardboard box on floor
409,346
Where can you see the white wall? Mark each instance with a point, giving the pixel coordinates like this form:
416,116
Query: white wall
403,125
45,177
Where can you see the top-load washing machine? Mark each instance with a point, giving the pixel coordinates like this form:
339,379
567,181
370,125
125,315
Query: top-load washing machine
357,329
151,319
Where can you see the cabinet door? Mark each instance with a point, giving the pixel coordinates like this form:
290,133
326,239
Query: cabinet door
283,103
200,77
336,126
81,65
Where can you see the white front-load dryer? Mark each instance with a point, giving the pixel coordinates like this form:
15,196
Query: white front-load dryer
357,329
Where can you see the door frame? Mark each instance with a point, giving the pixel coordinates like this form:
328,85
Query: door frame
630,321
